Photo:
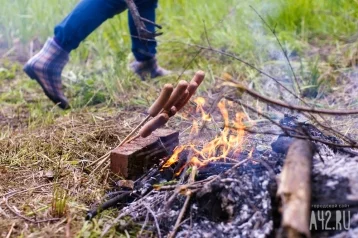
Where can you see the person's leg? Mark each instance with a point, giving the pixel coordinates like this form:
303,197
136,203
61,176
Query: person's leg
144,50
84,19
46,66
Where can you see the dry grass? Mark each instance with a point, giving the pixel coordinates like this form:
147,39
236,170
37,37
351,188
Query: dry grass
57,154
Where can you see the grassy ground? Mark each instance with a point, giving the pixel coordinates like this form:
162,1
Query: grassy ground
39,143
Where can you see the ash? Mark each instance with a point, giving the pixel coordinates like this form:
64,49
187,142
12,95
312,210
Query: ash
237,204
235,207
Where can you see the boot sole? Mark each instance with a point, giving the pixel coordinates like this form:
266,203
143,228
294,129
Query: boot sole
30,72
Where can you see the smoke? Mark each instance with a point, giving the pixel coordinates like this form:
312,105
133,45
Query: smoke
267,48
264,39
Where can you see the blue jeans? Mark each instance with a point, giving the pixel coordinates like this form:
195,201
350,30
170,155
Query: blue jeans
89,14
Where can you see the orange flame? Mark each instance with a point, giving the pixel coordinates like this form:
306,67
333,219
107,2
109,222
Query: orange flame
175,156
228,142
200,102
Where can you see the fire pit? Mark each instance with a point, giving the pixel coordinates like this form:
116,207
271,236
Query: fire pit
224,180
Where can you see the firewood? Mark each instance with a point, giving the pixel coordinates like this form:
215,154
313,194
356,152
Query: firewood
295,189
133,159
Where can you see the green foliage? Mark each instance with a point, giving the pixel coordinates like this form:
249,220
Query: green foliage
307,19
311,79
8,70
59,202
98,71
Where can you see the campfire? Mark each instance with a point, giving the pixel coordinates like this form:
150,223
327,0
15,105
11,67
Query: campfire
217,181
223,148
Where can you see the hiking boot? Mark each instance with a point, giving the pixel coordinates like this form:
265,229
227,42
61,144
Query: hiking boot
149,68
46,68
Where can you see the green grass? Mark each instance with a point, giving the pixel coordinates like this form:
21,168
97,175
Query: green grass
231,26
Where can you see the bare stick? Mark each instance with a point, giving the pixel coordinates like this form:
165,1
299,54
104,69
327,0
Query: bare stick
287,130
144,224
103,158
250,65
295,188
271,77
138,21
292,107
121,215
10,231
186,203
155,220
311,138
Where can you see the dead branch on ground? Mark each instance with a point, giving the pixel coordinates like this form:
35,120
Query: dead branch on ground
295,188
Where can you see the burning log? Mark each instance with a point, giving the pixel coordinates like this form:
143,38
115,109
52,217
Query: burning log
134,158
295,189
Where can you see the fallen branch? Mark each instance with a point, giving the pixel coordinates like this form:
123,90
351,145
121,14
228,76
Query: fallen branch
273,31
291,107
342,136
295,189
110,203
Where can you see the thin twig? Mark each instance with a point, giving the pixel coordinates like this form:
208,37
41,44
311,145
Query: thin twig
287,130
138,21
328,128
248,64
144,224
186,204
283,50
123,214
10,231
155,219
68,226
291,107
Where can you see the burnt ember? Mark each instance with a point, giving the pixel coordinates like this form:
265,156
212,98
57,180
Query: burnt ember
235,204
213,168
294,127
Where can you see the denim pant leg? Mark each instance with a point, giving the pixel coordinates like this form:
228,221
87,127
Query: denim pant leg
143,49
84,19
